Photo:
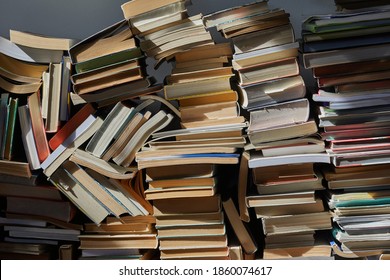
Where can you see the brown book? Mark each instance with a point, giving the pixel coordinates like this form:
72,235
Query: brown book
203,53
241,231
194,253
38,126
122,241
136,7
268,71
113,39
177,206
297,223
174,172
60,210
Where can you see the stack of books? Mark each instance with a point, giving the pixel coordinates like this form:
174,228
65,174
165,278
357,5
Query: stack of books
348,54
265,53
284,147
37,219
164,27
109,67
131,237
187,206
54,53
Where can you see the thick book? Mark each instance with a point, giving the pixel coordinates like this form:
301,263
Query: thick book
113,39
265,55
342,56
39,41
241,231
113,124
268,71
66,149
79,196
38,127
234,13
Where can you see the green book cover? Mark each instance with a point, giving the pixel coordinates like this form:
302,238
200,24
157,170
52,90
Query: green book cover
108,60
4,109
13,109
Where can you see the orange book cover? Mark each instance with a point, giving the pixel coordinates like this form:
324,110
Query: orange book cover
71,126
38,126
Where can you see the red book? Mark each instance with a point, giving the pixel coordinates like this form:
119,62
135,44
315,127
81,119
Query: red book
38,127
71,125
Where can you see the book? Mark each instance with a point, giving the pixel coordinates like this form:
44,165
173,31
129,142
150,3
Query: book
268,37
8,140
105,168
53,97
189,159
71,125
57,209
236,12
268,71
66,149
21,190
118,241
128,132
290,209
110,129
157,122
349,55
241,231
114,39
279,115
184,172
205,242
342,21
120,193
20,71
159,18
257,160
177,206
265,55
15,168
136,7
263,94
97,190
28,54
315,252
46,233
189,231
297,223
39,41
280,199
38,128
203,87
79,196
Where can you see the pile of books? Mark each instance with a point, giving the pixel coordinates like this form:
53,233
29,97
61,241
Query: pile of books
165,28
109,67
38,221
283,145
348,54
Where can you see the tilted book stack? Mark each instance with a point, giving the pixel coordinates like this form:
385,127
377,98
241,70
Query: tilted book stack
348,54
284,149
164,27
110,67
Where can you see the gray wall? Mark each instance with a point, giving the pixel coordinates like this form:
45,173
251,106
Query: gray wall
80,18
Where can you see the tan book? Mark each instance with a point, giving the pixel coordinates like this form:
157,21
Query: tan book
187,206
218,241
40,41
241,231
272,70
123,241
